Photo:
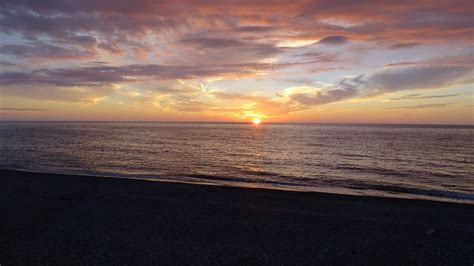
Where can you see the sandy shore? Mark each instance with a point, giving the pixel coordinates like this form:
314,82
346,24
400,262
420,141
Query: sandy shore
60,219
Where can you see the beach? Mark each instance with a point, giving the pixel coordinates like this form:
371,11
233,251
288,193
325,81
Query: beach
64,219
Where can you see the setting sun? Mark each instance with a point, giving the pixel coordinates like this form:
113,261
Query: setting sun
256,121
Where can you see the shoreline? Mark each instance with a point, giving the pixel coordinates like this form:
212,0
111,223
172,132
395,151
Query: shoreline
430,195
71,219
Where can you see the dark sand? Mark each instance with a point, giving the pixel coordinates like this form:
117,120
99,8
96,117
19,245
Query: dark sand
64,220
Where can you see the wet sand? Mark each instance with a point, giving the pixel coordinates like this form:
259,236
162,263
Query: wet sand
70,220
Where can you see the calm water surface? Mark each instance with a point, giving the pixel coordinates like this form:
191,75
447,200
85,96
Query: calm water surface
404,161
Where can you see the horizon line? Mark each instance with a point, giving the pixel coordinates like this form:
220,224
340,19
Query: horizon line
224,122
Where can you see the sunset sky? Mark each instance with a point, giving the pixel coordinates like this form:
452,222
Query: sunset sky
280,61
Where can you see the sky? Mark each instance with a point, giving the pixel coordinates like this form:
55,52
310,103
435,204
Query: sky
322,61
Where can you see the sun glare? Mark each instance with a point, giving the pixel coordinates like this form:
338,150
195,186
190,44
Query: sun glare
256,121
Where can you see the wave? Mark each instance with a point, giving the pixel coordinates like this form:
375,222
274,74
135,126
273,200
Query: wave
419,191
372,170
242,180
390,190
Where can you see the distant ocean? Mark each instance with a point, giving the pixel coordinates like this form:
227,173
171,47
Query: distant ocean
384,160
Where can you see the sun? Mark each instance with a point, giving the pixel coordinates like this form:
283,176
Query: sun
256,121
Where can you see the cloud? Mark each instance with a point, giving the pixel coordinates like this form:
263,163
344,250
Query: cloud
421,96
112,22
417,77
460,60
334,40
93,83
215,43
255,29
215,50
6,63
23,109
405,63
88,95
427,20
403,45
237,96
83,40
432,74
191,106
104,75
318,57
255,105
389,79
309,96
422,106
44,50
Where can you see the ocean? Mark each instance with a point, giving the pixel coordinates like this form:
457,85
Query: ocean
409,161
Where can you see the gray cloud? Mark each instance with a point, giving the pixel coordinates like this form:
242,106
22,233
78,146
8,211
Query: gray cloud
404,63
392,79
315,57
212,42
421,96
255,29
6,63
334,40
417,77
242,47
323,97
44,50
215,50
346,89
81,40
422,106
101,75
403,45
